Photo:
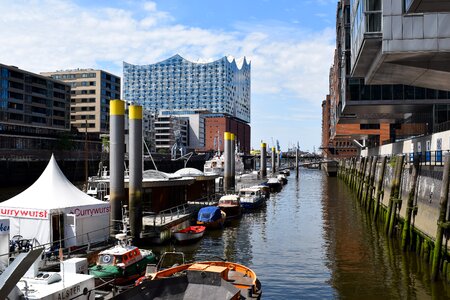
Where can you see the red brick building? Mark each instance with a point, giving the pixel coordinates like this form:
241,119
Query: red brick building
216,125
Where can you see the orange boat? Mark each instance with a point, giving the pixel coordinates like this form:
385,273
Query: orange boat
200,280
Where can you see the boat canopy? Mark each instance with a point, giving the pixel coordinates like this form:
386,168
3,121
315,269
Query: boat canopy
209,213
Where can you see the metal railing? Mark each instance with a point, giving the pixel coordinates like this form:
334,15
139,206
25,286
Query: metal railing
431,158
170,213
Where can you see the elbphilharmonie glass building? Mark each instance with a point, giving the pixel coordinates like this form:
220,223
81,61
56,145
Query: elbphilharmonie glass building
221,86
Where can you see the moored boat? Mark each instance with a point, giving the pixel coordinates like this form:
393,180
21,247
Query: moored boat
251,198
274,184
282,178
122,263
231,205
199,280
189,234
211,217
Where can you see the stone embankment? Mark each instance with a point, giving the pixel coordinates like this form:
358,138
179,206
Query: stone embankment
409,200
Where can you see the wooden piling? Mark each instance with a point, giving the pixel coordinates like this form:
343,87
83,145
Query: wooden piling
379,189
406,234
366,184
441,222
394,198
371,188
361,172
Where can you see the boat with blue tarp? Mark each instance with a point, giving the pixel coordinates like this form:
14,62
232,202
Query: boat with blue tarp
211,217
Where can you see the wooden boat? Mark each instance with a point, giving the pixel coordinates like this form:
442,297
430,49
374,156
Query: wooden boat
231,205
122,263
251,198
211,217
199,280
189,234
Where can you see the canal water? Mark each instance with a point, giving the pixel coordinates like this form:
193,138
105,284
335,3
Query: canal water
312,241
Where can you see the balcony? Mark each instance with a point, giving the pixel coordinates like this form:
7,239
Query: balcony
424,6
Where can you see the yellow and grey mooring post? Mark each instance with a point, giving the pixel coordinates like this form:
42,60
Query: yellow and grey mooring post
227,161
116,163
135,167
263,162
274,161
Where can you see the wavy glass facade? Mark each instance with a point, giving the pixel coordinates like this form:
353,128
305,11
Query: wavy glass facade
221,86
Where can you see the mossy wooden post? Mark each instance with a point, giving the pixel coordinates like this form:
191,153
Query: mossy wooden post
351,171
406,234
379,189
373,168
366,181
441,222
394,196
361,177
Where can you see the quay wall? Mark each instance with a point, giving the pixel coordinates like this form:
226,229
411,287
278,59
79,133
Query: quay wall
377,195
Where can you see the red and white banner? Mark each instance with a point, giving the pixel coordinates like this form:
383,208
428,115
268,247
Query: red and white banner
24,213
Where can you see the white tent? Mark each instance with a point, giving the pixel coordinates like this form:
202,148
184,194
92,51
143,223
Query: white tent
53,209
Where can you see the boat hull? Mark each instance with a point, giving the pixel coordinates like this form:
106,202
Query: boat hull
213,224
186,236
121,276
251,205
233,212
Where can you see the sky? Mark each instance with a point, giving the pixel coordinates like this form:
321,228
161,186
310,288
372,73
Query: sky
290,44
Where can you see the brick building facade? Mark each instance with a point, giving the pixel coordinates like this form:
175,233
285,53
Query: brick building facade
216,125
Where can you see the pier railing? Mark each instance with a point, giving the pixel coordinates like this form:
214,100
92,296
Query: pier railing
169,214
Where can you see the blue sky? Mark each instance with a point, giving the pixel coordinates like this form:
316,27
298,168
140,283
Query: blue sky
290,44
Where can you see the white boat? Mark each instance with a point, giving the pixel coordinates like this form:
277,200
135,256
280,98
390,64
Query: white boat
188,234
216,165
274,184
251,197
71,283
231,205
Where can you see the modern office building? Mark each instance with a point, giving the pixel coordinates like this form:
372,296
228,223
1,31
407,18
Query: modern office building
91,91
170,130
401,42
385,111
196,129
217,124
34,110
221,86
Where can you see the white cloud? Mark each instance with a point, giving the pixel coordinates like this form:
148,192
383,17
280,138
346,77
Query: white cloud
51,35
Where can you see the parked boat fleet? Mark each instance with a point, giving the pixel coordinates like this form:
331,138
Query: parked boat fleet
123,263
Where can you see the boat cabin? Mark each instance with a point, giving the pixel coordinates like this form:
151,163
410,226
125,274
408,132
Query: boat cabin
119,257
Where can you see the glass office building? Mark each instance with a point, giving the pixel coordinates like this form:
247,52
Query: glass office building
221,86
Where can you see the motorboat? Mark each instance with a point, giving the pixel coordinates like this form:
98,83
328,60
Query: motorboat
211,217
251,197
199,280
274,184
189,234
231,205
122,263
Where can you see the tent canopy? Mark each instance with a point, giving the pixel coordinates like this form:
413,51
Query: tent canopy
52,191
